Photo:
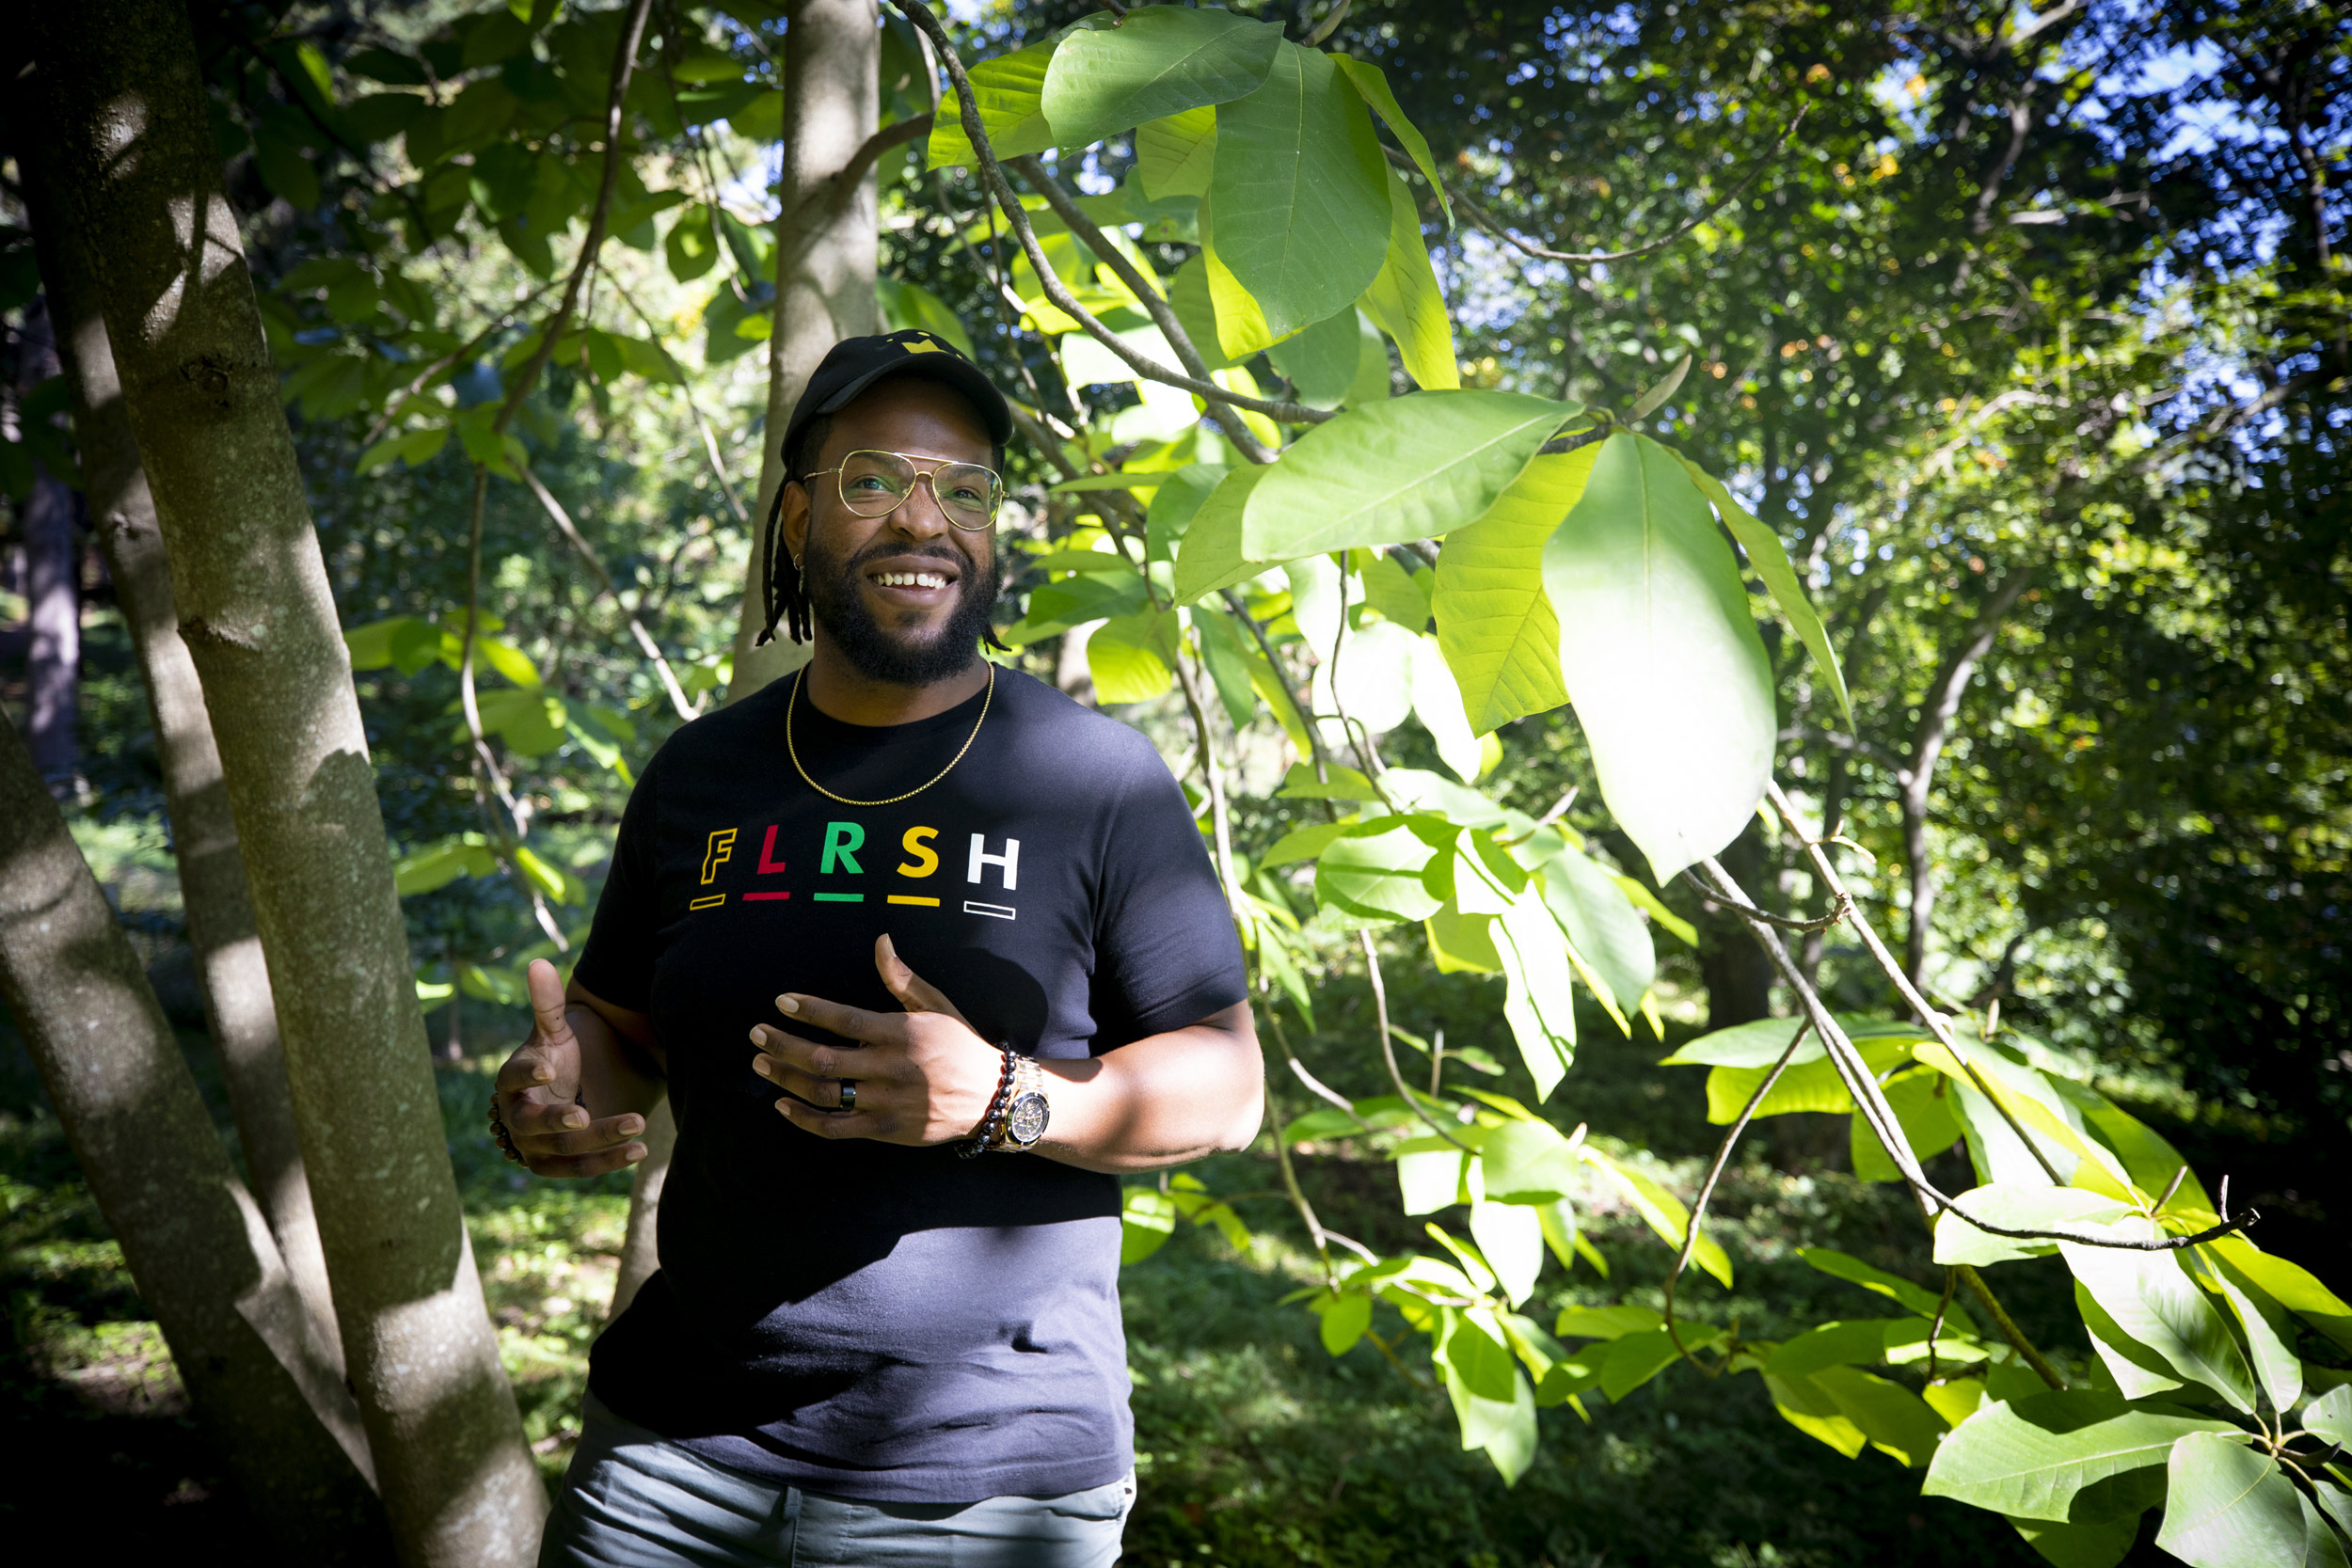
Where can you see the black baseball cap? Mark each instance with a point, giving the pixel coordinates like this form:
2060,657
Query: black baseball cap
853,364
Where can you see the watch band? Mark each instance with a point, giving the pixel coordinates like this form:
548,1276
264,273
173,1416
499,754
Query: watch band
1028,1086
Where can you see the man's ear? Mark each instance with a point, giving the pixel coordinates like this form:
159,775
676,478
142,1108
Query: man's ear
795,519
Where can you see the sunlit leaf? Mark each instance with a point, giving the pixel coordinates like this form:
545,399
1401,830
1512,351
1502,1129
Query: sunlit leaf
1669,678
1404,301
1494,623
2226,1506
1397,470
1162,60
1298,189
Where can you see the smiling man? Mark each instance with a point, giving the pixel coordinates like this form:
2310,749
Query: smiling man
924,954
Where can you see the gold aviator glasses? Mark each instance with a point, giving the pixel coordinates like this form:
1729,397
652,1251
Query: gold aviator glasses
876,484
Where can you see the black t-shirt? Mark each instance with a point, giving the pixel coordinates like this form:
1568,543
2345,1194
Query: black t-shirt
884,1323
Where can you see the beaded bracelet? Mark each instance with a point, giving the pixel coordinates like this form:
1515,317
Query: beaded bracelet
990,1123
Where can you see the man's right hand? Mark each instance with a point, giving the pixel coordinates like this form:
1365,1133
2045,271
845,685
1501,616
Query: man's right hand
538,1089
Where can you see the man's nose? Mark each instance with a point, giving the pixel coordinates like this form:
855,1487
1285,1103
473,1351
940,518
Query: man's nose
919,515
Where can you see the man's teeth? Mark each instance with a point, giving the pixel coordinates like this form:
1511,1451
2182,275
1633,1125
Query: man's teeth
911,579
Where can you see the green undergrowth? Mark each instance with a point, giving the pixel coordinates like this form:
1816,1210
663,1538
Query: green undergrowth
1254,1445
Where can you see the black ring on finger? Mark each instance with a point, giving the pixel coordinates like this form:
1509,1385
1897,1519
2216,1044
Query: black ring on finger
848,1093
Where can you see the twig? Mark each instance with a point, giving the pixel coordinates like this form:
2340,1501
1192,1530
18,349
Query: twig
710,441
1927,1015
1784,922
1324,29
1147,292
1298,1194
1863,1085
836,186
1706,1190
393,407
994,176
1491,224
1220,824
484,761
2007,1326
1935,1328
1388,1045
564,524
624,64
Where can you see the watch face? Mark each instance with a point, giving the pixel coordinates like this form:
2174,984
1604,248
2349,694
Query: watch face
1026,1124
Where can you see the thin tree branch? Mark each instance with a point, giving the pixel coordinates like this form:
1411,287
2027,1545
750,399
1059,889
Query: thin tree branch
1146,291
710,441
564,526
1706,1190
1388,1045
834,188
1494,226
624,64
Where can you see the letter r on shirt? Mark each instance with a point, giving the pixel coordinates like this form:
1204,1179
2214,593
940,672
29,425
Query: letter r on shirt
1009,861
843,840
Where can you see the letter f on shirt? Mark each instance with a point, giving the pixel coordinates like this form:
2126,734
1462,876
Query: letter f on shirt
1009,861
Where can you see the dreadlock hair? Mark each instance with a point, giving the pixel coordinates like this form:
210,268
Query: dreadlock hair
784,584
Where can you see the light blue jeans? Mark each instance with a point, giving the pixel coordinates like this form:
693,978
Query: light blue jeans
634,1500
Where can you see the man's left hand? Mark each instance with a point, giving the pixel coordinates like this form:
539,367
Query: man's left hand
922,1076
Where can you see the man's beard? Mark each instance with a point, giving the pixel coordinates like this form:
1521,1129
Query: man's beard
878,655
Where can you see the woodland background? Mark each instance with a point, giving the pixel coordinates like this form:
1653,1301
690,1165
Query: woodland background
2031,341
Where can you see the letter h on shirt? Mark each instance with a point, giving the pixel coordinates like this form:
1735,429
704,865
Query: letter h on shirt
1009,861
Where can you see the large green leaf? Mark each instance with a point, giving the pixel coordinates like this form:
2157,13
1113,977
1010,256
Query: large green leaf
1539,999
2270,1335
1528,1162
1174,156
1373,873
1400,469
1659,648
1209,558
2152,1299
1300,191
2292,1286
2030,1458
1606,928
1132,657
2330,1416
1922,1103
1321,360
2017,1207
1772,563
1438,704
1160,61
2100,1544
1374,83
1498,630
2229,1507
1404,301
1008,91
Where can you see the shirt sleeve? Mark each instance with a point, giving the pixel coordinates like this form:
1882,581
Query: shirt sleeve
1166,952
618,964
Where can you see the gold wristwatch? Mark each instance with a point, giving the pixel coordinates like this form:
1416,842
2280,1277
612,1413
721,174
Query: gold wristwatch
1028,1111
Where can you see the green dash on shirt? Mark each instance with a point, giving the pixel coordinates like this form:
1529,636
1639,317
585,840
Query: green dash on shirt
841,897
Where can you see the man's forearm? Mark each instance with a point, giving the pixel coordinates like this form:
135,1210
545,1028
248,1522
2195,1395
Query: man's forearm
1159,1101
616,1076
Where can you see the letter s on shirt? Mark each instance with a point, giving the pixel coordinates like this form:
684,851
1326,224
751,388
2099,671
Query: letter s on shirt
926,861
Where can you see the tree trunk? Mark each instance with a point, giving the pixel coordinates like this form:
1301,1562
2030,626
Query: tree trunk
1737,972
234,979
123,93
1937,708
52,660
826,243
203,1261
640,1251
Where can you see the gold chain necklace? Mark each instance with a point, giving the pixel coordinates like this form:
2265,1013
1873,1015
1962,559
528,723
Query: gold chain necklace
793,751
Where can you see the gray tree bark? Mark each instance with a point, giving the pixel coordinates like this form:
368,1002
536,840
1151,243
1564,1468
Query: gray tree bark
120,88
261,1379
238,1007
639,1249
826,243
1937,707
52,660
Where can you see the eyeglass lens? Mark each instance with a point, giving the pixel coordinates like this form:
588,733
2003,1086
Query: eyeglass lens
874,483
